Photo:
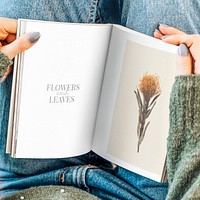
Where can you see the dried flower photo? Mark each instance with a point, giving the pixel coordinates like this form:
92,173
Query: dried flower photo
140,113
146,95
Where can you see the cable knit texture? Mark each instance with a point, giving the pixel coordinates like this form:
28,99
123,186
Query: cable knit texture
183,159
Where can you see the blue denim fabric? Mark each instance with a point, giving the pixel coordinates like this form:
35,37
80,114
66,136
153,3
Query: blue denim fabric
124,184
89,171
144,15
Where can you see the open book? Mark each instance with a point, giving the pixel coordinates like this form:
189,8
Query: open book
86,87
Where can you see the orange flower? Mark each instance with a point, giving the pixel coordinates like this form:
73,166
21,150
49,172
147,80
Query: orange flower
149,86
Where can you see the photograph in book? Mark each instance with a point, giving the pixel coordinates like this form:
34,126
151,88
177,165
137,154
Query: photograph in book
140,120
146,94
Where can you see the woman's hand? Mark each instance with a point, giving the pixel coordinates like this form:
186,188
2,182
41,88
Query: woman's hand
11,46
188,62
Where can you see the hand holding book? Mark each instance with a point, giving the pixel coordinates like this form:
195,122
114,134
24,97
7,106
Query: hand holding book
10,46
188,62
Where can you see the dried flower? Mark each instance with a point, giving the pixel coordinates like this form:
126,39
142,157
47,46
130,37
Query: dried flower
149,86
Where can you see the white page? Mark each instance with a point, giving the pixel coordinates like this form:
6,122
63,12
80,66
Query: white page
115,136
71,55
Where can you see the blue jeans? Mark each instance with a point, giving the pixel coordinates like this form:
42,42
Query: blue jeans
89,172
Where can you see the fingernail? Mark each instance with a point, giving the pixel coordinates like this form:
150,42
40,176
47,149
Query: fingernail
2,79
182,50
34,37
165,25
164,37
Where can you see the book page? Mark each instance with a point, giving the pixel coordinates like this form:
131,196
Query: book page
60,83
138,66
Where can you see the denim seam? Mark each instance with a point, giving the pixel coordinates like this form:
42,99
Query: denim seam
93,11
78,177
81,176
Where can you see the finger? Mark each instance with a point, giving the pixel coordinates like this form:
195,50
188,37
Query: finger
157,34
179,39
192,42
7,26
10,38
184,60
20,44
169,30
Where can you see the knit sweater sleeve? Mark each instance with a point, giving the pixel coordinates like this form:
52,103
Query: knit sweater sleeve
183,159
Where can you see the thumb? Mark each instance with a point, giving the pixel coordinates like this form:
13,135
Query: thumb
21,44
184,60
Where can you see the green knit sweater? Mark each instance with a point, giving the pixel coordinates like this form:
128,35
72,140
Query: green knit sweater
52,193
183,159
